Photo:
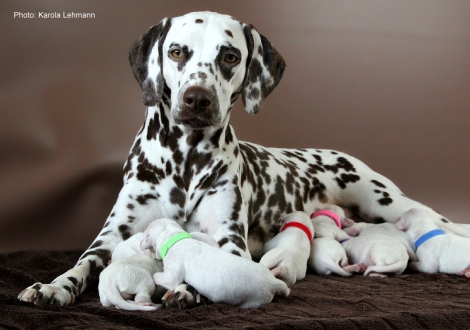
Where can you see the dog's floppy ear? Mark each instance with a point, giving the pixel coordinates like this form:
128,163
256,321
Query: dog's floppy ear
265,67
146,62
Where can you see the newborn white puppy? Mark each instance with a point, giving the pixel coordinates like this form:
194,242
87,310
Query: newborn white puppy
327,255
436,251
129,278
128,248
387,229
218,275
381,254
286,254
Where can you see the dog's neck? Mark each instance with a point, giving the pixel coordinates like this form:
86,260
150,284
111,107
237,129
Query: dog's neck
415,232
427,236
166,233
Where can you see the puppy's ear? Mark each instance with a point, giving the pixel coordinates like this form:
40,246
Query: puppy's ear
403,223
347,222
264,69
145,57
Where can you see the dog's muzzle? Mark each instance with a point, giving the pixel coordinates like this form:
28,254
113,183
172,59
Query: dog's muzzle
199,108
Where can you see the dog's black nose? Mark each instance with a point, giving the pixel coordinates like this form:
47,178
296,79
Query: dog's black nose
197,99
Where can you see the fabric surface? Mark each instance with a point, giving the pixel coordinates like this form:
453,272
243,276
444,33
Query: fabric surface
418,301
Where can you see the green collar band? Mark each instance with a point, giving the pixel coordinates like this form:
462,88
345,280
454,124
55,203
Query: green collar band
172,241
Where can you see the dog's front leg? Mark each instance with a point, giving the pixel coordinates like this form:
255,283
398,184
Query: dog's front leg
223,215
127,217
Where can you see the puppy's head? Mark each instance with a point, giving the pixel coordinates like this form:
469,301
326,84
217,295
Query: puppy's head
156,234
414,220
345,222
202,62
298,216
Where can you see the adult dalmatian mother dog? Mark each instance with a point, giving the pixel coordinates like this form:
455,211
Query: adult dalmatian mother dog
187,164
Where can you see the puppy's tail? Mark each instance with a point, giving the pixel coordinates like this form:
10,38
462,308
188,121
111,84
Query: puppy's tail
114,298
337,269
394,269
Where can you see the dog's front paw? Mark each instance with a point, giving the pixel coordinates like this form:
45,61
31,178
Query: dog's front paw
47,294
184,297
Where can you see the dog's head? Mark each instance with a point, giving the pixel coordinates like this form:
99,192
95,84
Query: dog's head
415,220
156,234
205,60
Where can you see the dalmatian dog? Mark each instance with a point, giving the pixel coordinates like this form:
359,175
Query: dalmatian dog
186,163
220,276
287,253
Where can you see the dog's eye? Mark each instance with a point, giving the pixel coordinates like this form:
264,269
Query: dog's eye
230,58
176,53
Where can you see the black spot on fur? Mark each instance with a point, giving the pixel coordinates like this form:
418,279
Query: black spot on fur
235,253
125,231
444,220
168,168
153,126
378,184
94,273
103,254
142,199
194,138
96,244
216,137
238,241
147,172
130,206
229,33
385,201
199,21
223,241
177,196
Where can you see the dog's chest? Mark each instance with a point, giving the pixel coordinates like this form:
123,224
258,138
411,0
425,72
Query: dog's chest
178,179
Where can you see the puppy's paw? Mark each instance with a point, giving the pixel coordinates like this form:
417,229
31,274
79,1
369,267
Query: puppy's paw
184,297
47,294
465,272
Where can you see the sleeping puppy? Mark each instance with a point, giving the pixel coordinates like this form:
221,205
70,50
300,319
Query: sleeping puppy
218,275
327,255
381,254
436,250
388,229
129,278
286,254
128,248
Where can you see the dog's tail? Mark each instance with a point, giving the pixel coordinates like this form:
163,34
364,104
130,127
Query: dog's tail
114,298
394,269
337,269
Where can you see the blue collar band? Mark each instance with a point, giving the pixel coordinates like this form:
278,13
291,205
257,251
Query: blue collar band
428,235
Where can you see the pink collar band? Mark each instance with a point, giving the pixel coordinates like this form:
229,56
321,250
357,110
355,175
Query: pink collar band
300,226
329,214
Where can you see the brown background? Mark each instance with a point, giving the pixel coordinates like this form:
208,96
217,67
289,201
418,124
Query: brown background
386,81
